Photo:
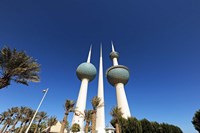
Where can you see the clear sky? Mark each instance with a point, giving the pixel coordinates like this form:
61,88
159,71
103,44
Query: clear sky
158,40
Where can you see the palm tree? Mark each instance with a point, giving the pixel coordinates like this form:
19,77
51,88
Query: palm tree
41,116
7,123
4,115
22,118
50,122
75,128
116,113
69,107
95,104
87,118
12,111
43,125
19,114
18,67
27,119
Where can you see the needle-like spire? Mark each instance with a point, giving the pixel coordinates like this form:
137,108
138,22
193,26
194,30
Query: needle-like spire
89,54
101,50
100,120
113,49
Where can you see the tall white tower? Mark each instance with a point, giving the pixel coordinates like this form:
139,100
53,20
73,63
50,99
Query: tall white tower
118,76
86,72
100,116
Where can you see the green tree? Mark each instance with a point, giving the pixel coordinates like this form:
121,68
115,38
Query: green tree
130,125
75,128
156,127
18,67
69,107
96,102
175,129
116,113
168,128
146,126
196,120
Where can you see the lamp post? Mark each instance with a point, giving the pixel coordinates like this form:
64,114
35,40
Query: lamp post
45,92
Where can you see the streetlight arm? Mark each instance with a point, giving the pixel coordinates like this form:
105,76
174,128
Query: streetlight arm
37,110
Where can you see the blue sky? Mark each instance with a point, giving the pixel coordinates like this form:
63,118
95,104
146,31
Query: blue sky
158,40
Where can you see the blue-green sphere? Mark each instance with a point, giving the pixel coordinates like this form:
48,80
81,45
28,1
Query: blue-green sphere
117,74
86,70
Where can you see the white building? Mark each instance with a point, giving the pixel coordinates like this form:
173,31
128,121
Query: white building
55,128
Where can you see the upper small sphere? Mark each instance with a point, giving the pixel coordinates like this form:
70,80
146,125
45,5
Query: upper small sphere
114,55
86,70
117,74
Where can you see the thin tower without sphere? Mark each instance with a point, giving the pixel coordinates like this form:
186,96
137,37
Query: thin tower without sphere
86,72
118,76
100,116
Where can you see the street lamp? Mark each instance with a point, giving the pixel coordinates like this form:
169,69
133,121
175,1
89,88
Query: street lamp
45,92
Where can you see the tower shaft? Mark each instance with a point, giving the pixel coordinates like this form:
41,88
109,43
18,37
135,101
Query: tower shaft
80,105
100,116
115,62
122,100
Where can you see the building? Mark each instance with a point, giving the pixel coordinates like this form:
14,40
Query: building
55,128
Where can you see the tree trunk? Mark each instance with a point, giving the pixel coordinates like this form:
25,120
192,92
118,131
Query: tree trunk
94,122
23,127
3,128
5,81
27,124
21,130
13,127
86,127
64,122
48,130
7,128
36,128
2,120
117,128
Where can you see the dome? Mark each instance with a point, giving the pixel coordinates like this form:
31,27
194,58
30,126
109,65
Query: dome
117,74
114,55
86,70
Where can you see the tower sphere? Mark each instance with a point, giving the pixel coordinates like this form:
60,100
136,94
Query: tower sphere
117,74
114,55
86,70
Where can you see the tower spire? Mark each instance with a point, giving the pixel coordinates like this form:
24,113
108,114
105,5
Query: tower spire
100,122
101,50
89,54
114,55
113,49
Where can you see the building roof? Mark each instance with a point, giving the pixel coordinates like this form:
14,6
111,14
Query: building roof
55,128
109,127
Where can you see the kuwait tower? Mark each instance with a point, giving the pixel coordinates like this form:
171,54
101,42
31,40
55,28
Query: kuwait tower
86,72
118,76
100,116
